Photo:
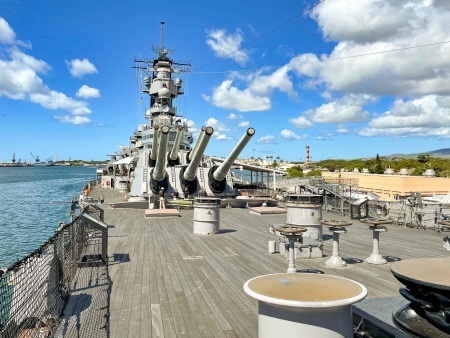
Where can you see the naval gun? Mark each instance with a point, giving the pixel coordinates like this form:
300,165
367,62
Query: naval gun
158,177
174,158
188,174
199,141
154,151
217,175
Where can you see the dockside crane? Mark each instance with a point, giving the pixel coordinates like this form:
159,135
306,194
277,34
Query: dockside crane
36,158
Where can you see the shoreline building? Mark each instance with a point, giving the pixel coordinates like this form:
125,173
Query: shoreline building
391,187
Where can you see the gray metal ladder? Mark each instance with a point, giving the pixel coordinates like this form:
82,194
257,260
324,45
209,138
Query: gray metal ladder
145,171
172,169
201,173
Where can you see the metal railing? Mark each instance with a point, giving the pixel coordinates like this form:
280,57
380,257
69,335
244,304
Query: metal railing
264,192
35,289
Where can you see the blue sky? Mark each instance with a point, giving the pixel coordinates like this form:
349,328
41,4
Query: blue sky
349,78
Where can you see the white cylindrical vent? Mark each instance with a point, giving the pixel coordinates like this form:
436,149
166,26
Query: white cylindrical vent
389,171
429,173
206,216
272,247
403,171
305,210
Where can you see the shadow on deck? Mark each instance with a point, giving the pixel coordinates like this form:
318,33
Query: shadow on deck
88,310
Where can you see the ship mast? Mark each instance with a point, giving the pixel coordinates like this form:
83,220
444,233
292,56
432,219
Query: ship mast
161,50
162,34
160,85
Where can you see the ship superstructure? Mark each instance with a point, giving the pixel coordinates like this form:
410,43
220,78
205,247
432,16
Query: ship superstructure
160,153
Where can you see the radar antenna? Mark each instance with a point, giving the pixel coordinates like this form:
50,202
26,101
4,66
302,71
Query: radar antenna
161,50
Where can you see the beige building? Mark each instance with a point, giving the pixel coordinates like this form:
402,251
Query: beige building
391,187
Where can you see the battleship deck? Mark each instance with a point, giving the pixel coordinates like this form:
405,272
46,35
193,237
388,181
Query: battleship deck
162,280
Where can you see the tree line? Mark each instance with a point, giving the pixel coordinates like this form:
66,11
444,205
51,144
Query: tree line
378,165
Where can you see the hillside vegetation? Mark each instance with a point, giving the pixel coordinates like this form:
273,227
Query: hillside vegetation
377,165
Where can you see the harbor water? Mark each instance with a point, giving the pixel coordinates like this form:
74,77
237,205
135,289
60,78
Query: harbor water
34,201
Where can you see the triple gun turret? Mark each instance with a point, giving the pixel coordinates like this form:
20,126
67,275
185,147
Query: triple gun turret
214,177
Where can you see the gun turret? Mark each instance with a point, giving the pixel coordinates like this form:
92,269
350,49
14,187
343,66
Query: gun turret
217,175
154,151
199,140
159,176
174,159
189,173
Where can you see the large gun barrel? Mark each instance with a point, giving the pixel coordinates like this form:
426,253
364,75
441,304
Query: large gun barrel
191,170
221,172
199,140
154,151
159,173
173,157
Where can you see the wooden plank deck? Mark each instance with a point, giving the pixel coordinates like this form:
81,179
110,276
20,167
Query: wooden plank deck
164,281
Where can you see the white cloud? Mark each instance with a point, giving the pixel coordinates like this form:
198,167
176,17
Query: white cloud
263,85
234,116
387,30
27,61
420,117
20,79
324,137
19,76
56,100
87,92
347,109
190,123
227,45
192,127
78,120
81,111
244,124
301,122
221,137
205,97
388,25
78,68
342,130
229,97
218,126
369,21
305,64
290,135
268,139
7,35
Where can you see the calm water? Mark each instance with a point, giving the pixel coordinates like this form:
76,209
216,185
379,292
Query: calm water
34,200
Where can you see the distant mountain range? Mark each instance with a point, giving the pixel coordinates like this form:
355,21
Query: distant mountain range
439,153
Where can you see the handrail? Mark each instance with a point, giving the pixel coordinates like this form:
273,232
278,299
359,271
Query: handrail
34,290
